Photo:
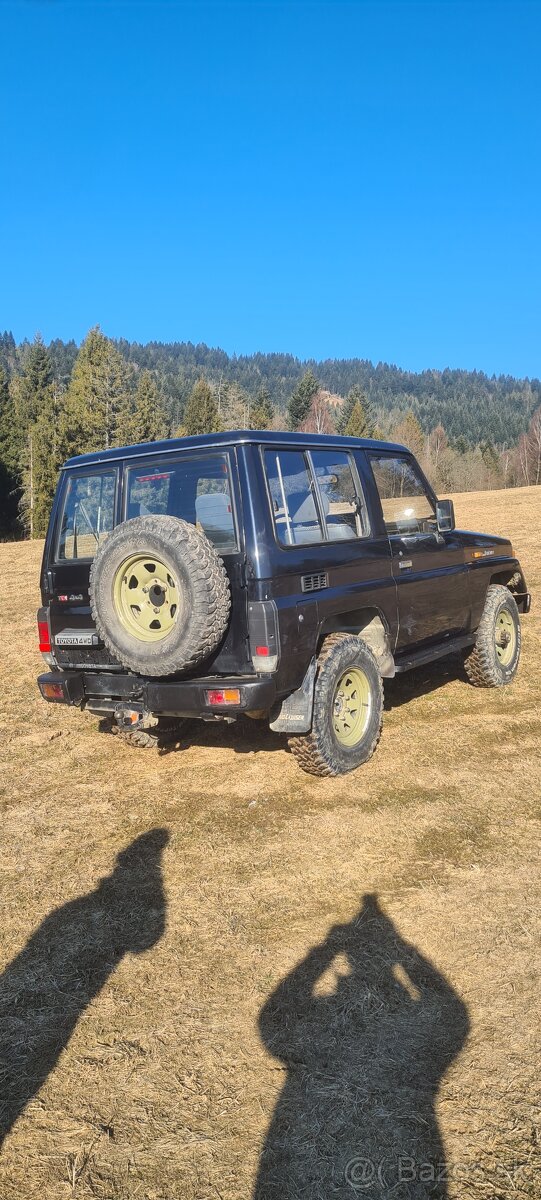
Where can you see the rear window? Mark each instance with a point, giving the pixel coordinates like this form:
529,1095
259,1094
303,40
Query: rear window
196,489
88,513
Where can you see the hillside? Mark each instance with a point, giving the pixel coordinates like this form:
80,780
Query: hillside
469,404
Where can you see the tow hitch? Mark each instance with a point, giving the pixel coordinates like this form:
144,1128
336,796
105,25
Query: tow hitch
130,718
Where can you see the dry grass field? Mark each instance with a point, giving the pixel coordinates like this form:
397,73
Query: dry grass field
280,977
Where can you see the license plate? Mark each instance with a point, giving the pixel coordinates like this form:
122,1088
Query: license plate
76,637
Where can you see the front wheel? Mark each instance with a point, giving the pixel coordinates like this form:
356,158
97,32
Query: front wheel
348,708
493,661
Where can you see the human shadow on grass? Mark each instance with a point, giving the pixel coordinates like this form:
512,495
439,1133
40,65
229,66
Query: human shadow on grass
365,1026
66,963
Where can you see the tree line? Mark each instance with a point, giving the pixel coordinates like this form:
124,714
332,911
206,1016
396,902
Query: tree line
60,400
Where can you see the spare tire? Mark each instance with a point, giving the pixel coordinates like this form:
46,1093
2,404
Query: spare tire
159,595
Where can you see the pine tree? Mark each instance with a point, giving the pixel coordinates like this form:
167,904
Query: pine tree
147,422
356,426
37,378
43,463
262,412
364,421
99,403
35,422
8,445
9,460
235,406
301,400
201,412
409,433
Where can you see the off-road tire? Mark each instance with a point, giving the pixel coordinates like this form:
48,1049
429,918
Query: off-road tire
319,752
165,732
203,586
482,664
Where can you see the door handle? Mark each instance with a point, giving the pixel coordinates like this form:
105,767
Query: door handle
406,564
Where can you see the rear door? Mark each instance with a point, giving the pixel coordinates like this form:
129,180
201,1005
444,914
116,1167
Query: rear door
88,509
200,487
428,566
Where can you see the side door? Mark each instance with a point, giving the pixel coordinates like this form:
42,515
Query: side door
429,567
324,560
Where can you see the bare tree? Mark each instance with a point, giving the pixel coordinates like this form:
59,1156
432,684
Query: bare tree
320,418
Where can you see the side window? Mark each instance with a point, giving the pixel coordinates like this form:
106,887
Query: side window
295,514
345,511
407,506
87,514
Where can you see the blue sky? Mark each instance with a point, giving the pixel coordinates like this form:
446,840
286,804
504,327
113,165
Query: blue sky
328,179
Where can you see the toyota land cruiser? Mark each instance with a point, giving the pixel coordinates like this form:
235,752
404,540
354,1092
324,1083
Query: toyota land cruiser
278,575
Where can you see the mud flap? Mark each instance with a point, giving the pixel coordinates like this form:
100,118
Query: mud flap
294,714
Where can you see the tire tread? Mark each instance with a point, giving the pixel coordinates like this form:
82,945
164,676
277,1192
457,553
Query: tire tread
481,664
211,599
309,749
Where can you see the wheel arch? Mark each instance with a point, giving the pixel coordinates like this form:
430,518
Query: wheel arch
370,625
513,579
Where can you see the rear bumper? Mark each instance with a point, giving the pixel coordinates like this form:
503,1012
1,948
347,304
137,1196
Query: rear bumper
170,698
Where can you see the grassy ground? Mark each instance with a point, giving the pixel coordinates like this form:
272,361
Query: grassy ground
220,1005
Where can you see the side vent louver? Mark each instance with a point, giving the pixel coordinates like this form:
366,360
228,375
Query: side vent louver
314,583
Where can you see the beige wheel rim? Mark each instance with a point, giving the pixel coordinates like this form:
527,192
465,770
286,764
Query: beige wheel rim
352,705
505,637
146,597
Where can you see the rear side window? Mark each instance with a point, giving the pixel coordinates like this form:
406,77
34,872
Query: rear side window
295,514
196,489
88,513
345,511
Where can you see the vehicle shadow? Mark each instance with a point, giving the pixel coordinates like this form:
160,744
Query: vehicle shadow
366,1026
421,681
248,736
244,736
66,963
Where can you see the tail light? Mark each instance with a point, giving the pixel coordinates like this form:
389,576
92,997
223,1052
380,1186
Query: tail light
44,637
263,630
222,696
44,634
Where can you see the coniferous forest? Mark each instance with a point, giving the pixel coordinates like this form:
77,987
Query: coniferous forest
469,430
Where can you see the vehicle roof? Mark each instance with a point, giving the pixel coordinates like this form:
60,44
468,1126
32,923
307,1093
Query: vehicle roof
233,437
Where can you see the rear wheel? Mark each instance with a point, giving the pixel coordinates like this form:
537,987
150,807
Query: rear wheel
495,656
348,708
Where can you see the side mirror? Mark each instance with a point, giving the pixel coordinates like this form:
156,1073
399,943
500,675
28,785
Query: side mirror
445,516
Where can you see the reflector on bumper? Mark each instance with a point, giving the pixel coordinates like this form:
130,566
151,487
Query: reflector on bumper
52,691
221,696
61,689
